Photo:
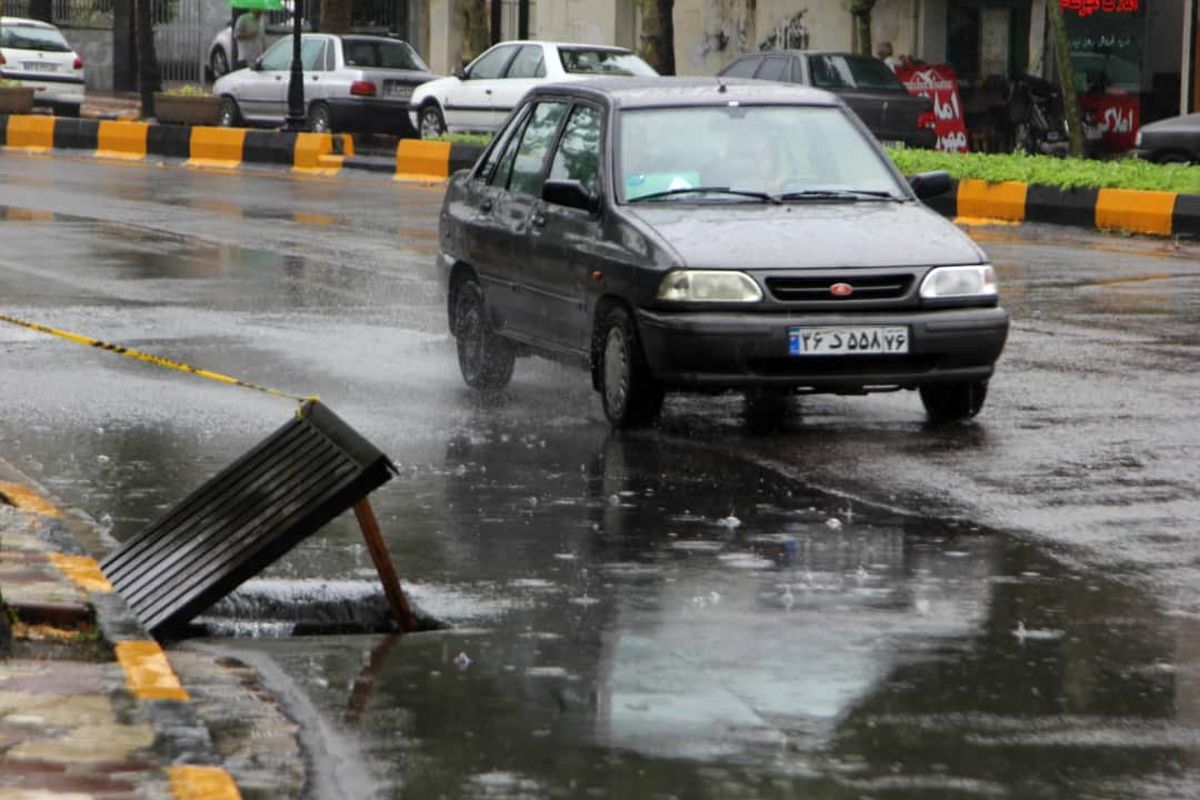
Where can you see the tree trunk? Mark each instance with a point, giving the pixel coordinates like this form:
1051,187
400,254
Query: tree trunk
1066,78
658,34
149,75
476,27
861,11
335,16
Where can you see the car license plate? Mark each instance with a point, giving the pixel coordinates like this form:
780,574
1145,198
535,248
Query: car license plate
400,90
39,66
847,340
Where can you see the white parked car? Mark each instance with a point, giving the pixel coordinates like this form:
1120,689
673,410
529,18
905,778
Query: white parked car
480,96
351,83
35,54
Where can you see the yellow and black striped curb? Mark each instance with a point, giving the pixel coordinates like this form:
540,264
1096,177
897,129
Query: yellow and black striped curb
1127,210
229,148
148,675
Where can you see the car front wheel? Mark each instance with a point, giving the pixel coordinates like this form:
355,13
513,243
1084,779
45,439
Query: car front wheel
485,359
432,123
953,401
230,115
319,118
218,62
630,395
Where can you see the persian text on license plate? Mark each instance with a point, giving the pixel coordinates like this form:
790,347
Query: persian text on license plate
846,340
39,66
400,90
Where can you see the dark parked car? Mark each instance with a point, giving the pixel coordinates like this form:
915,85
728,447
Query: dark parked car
866,84
1175,140
694,234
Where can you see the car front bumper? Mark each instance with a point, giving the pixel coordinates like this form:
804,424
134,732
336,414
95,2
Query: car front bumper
368,115
729,350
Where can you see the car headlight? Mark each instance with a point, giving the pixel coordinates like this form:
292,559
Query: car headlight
709,286
975,281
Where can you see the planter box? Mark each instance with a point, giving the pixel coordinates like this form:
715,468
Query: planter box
15,100
186,109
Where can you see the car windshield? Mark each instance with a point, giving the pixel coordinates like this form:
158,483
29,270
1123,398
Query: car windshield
27,37
381,54
774,151
582,60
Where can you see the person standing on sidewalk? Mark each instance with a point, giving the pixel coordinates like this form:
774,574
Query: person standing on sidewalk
251,37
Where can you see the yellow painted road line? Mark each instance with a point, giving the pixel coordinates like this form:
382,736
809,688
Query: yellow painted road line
148,674
982,200
1135,211
33,133
149,358
82,571
123,140
216,147
26,499
417,159
189,782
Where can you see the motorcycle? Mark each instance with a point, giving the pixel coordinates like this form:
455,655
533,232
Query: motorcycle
1039,124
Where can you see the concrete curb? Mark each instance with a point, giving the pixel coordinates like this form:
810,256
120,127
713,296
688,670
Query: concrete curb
230,148
1125,210
152,695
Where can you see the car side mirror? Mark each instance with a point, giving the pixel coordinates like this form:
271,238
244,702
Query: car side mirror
572,194
930,184
257,65
460,72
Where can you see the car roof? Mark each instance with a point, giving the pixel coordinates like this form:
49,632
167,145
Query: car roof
26,23
647,92
794,52
583,45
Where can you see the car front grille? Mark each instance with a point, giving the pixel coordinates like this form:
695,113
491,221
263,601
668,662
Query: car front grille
817,289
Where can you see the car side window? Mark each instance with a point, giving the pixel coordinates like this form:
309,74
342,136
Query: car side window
504,167
823,73
491,64
501,149
312,55
330,58
530,161
529,63
774,68
742,68
279,56
578,154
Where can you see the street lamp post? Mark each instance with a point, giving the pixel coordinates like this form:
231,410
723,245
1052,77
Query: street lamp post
296,120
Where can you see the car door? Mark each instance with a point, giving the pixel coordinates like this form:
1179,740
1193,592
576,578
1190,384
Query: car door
527,69
565,242
316,75
263,95
515,210
468,103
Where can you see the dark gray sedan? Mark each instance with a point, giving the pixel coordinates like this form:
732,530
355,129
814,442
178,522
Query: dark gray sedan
1175,140
706,234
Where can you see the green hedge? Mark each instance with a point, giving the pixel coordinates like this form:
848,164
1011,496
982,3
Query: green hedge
1064,173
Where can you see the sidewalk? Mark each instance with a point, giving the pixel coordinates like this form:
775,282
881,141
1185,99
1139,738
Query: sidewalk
89,705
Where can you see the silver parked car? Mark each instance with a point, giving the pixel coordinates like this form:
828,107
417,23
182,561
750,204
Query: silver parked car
351,82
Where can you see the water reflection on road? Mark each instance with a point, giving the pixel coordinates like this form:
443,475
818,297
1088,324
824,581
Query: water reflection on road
648,617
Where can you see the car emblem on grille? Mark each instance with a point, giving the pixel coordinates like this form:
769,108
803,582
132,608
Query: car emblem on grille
841,290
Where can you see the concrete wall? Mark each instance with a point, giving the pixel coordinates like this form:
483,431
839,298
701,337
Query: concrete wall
588,21
95,47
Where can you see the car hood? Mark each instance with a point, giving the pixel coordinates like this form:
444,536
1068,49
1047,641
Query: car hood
1187,122
807,234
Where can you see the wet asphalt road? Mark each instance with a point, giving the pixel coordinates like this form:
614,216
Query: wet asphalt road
850,604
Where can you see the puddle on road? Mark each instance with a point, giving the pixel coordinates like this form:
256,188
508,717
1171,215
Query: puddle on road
632,613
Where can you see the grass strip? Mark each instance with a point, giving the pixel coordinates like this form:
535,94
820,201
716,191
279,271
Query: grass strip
1063,173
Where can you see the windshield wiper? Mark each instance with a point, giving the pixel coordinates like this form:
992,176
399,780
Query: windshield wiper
838,194
766,197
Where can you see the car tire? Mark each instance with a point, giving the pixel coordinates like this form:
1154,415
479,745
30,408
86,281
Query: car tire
1174,157
218,63
949,402
630,395
320,120
230,116
485,359
430,122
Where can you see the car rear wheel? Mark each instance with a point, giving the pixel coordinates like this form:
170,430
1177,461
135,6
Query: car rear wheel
630,395
319,118
432,123
953,401
218,62
485,359
230,115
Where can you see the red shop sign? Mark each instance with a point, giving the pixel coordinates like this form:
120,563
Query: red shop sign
1085,8
1118,115
939,83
